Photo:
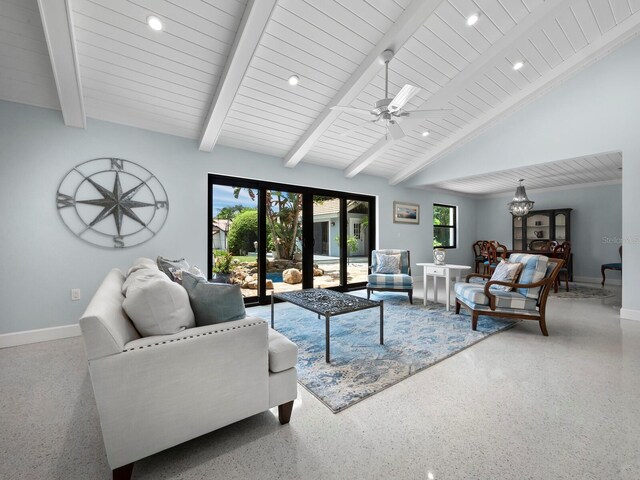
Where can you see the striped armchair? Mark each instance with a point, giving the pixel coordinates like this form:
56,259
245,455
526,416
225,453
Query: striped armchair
381,277
526,300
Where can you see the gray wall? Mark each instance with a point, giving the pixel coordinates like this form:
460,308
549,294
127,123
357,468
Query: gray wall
596,223
594,112
44,260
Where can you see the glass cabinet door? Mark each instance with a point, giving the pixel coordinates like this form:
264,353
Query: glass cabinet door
561,227
518,243
538,230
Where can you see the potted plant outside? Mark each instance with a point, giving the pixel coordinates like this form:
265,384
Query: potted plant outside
222,267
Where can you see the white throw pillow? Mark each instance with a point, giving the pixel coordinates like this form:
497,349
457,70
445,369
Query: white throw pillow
140,264
158,306
143,272
505,272
389,264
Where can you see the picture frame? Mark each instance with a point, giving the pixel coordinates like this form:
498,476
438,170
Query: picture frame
406,213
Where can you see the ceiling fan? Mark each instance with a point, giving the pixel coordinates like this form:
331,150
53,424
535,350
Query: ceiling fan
388,111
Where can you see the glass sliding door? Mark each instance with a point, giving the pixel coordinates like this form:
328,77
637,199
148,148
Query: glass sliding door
283,215
358,241
269,237
234,234
326,241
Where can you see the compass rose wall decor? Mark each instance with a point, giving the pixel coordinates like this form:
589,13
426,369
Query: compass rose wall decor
111,202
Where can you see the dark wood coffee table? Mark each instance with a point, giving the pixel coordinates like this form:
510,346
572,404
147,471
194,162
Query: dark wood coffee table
329,303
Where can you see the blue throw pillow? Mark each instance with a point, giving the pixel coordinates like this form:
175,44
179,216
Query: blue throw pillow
168,266
213,302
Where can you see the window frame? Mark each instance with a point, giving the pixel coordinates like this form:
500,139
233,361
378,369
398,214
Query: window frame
307,213
453,227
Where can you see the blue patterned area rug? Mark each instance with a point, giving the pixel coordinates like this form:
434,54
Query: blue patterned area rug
582,291
415,337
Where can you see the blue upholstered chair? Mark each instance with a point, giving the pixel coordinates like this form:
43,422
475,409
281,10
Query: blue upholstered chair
379,280
611,266
526,300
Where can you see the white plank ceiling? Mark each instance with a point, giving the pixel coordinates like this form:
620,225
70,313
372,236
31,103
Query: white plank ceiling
166,81
601,168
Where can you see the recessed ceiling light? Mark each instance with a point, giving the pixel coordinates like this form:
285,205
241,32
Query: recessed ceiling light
294,80
425,133
154,22
518,65
472,19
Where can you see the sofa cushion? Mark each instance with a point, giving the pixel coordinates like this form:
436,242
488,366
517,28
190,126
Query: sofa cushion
213,302
193,270
283,353
158,306
534,269
168,266
506,272
142,263
140,273
474,293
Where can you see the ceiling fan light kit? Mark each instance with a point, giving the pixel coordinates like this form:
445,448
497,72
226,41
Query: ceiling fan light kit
389,110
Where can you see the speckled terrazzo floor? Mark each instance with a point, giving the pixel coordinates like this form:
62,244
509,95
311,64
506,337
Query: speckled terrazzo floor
515,406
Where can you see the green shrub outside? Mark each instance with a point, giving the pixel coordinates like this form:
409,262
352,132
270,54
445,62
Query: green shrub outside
243,232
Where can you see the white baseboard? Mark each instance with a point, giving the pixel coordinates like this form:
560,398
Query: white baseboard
41,335
630,314
598,280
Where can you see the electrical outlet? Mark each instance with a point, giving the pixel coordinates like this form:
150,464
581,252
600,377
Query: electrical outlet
75,294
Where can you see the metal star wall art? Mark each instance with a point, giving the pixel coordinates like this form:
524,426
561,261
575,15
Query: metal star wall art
122,187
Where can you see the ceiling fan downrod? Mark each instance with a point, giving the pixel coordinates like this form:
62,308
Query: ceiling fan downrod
385,57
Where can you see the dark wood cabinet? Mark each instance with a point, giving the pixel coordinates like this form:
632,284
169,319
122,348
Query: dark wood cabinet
533,230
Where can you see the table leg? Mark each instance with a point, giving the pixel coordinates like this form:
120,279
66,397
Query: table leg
447,287
435,289
271,310
381,323
424,282
327,355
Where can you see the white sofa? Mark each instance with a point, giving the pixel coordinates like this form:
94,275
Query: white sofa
156,392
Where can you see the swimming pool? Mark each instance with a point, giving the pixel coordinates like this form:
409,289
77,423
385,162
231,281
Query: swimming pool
274,276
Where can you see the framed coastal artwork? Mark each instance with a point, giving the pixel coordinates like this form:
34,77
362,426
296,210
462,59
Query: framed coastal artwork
406,213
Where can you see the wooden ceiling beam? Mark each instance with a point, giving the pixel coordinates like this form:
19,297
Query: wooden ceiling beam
413,17
256,16
61,43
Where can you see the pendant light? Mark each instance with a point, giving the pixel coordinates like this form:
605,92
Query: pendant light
520,205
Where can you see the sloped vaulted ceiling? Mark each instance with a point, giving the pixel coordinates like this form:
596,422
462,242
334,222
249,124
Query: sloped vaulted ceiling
217,72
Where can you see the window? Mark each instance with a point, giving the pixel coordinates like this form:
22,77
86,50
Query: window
265,228
444,226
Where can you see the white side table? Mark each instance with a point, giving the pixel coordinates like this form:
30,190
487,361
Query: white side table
446,271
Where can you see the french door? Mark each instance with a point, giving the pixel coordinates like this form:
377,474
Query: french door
287,237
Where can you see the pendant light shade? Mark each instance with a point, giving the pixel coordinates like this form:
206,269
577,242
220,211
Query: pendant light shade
520,205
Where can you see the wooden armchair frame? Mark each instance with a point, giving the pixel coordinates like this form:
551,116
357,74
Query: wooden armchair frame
546,284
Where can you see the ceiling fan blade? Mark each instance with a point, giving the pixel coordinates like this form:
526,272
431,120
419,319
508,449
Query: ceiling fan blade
396,132
403,96
415,114
357,127
355,111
